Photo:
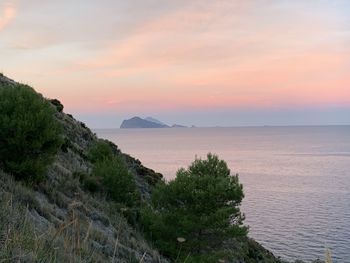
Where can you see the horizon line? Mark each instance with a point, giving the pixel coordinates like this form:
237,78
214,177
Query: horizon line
218,126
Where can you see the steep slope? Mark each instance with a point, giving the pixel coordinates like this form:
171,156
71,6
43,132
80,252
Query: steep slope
59,215
59,221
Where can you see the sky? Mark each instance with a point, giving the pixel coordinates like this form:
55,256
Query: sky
203,63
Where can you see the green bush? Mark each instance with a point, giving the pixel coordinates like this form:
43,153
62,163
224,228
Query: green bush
30,136
100,151
192,216
117,180
110,169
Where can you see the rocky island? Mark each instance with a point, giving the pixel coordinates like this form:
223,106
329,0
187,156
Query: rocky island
137,122
149,122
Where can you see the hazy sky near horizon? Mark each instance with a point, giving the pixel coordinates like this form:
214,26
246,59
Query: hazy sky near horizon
195,62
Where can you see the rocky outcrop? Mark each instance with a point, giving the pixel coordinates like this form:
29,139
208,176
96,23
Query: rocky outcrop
6,81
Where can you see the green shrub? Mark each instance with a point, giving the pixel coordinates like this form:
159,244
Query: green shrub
100,151
192,216
111,170
117,180
30,136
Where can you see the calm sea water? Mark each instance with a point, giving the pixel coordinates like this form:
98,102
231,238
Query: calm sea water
296,179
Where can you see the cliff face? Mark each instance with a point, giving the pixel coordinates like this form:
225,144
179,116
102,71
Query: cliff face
57,220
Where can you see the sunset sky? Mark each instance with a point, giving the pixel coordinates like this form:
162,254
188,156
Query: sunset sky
206,63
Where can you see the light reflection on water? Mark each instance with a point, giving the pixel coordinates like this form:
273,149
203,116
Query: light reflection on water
296,179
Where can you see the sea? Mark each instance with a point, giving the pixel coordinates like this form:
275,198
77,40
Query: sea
296,179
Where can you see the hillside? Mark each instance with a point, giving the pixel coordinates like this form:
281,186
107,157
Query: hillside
59,220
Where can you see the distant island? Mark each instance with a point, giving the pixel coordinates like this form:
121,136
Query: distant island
149,122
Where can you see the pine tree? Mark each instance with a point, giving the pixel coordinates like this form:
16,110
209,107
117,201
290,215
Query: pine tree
200,208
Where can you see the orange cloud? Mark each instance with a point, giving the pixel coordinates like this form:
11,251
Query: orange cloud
8,14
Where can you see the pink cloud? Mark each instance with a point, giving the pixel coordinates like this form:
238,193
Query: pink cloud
7,15
217,54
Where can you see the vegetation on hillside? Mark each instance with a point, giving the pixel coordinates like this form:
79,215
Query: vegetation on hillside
54,218
30,136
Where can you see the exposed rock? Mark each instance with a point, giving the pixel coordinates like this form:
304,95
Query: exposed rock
57,104
6,81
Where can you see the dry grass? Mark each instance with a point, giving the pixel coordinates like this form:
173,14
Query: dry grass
47,225
20,240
